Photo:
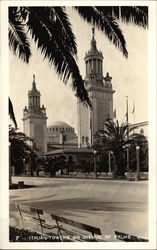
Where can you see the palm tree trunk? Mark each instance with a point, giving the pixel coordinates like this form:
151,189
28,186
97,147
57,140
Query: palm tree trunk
119,164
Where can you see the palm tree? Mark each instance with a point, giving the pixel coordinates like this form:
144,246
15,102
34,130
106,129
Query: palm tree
114,138
50,28
19,149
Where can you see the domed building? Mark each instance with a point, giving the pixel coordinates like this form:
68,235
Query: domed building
59,135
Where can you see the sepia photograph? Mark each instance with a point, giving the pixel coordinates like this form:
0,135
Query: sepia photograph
78,169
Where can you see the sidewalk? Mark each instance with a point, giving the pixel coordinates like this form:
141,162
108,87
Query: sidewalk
100,176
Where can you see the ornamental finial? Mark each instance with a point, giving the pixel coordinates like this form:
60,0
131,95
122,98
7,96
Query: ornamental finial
33,78
93,31
34,84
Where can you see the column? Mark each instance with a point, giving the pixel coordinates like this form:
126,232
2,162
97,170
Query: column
96,67
87,67
101,68
92,66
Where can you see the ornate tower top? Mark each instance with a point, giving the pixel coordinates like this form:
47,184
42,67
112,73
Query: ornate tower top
34,120
93,52
34,102
93,41
33,91
93,60
34,84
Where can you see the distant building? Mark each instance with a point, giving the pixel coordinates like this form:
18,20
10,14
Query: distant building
74,155
140,127
61,134
34,119
101,94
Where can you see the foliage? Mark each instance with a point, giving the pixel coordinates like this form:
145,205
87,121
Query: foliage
114,138
106,23
20,150
103,162
51,30
84,166
142,142
137,15
53,165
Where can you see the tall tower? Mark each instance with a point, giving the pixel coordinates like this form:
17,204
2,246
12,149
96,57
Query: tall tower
34,119
101,94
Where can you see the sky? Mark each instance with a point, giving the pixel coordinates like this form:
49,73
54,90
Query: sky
129,76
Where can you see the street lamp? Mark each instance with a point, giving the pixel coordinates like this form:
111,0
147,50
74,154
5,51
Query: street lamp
137,176
127,146
109,160
127,155
24,166
95,167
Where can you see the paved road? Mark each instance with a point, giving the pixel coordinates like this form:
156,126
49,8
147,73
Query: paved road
110,205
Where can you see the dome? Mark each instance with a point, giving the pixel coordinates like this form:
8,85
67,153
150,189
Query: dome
60,127
60,124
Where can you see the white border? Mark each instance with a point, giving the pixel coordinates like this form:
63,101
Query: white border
4,208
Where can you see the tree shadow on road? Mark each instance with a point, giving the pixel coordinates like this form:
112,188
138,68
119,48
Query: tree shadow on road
90,204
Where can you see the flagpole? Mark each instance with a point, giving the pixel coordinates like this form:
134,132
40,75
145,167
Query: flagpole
133,112
127,118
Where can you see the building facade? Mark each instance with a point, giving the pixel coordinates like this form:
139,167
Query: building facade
101,94
34,120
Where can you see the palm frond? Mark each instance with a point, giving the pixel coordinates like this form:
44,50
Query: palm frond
20,148
137,15
53,47
11,113
137,137
15,135
106,24
123,129
18,40
110,128
64,27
